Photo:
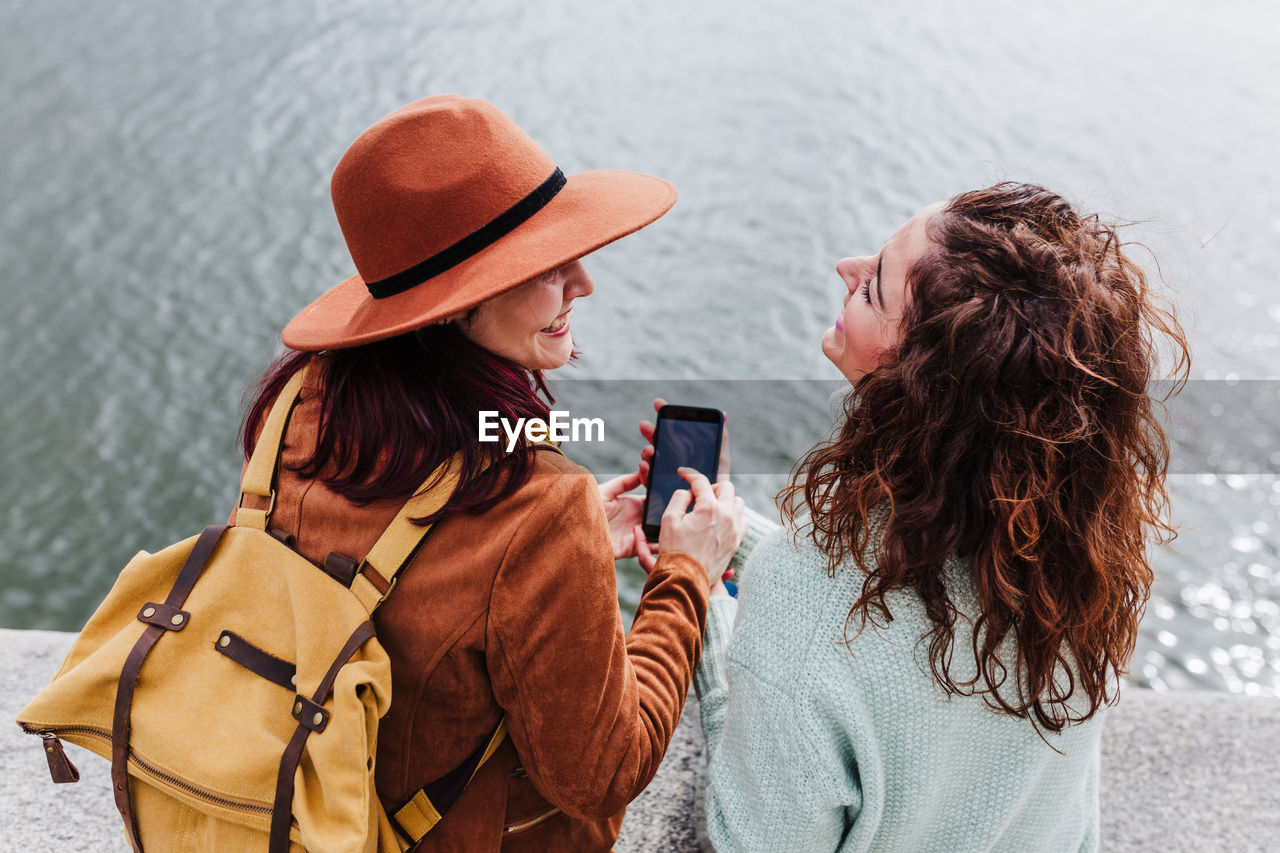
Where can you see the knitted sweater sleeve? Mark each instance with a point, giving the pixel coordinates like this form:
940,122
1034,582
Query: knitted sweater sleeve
758,527
777,779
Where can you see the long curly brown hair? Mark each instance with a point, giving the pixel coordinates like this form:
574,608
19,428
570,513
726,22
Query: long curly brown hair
1011,426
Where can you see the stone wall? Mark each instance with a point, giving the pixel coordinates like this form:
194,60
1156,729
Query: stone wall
1181,771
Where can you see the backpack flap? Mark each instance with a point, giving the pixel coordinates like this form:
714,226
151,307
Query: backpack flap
82,692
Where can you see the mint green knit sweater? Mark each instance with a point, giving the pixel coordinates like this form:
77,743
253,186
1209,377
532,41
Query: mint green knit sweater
817,745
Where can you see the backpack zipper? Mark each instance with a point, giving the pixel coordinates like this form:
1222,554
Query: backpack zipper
153,771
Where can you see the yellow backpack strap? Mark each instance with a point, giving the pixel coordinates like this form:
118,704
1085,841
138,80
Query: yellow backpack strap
376,576
260,473
425,808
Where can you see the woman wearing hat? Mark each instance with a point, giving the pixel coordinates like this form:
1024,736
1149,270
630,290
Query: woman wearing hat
467,240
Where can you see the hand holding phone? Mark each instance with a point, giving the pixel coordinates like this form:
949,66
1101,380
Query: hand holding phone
647,430
684,437
704,521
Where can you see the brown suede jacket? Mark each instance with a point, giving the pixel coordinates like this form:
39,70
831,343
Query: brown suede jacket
514,612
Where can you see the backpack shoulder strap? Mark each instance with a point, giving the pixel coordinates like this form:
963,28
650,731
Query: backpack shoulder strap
428,805
376,575
260,474
397,544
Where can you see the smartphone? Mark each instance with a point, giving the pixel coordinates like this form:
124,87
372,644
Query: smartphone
685,436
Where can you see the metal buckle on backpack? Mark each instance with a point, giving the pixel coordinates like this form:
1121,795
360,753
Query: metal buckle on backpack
390,587
266,514
384,593
370,587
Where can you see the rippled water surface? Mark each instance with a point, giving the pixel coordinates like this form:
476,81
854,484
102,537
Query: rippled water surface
165,210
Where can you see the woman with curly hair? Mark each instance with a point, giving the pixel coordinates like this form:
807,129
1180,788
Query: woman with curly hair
921,660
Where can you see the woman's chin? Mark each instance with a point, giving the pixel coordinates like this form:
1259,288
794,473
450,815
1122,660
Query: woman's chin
831,346
556,356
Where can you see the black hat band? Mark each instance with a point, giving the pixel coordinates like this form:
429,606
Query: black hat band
482,238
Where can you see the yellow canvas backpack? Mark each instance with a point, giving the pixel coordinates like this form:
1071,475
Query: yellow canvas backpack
236,687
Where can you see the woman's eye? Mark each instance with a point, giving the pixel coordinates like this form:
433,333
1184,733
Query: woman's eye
866,291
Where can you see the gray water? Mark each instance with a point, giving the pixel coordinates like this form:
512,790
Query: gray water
165,168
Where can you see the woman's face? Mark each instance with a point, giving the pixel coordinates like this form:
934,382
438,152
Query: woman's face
875,298
530,324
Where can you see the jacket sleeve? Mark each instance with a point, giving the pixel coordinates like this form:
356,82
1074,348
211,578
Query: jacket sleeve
591,713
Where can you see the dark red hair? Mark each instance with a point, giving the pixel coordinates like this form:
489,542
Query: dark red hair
393,411
1011,425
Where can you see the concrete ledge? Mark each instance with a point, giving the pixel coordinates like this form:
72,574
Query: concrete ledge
1182,771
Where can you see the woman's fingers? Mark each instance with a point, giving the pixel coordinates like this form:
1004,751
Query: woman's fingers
711,532
677,506
698,484
722,468
611,489
644,554
647,427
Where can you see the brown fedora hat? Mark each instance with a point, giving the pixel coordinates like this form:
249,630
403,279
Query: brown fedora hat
445,203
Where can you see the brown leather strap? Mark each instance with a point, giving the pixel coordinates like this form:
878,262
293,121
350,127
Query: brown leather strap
194,565
187,577
256,660
284,537
381,584
120,730
164,616
61,770
282,809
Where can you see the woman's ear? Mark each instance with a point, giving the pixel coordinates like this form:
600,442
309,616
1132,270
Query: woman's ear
463,318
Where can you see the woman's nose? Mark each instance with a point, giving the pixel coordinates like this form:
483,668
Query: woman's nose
577,281
851,270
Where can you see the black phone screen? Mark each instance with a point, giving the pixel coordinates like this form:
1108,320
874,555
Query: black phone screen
686,436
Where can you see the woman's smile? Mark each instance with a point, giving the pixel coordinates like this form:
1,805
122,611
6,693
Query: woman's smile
504,324
559,326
